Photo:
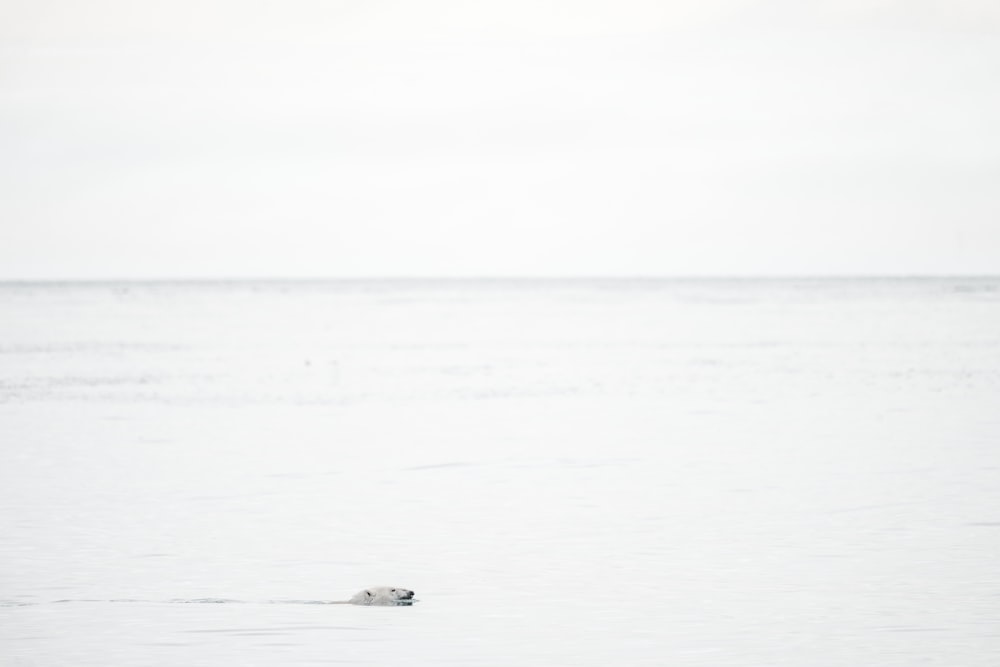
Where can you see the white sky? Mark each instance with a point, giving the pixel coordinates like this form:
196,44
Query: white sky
310,138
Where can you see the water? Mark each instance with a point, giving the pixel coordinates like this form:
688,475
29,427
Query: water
568,473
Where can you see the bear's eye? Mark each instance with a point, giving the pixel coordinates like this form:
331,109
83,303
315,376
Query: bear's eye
393,590
368,593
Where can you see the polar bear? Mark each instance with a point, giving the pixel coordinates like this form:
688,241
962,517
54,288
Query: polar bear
383,596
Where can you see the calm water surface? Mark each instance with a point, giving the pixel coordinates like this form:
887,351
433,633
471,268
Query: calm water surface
568,473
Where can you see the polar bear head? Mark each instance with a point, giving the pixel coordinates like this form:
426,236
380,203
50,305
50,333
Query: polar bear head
383,595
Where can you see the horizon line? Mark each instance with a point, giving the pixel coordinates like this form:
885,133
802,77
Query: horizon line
499,278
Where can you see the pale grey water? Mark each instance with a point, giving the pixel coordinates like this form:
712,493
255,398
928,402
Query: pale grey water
567,473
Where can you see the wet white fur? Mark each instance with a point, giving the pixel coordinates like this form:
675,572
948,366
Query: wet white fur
383,596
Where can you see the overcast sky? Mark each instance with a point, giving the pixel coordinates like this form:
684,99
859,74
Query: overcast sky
311,138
